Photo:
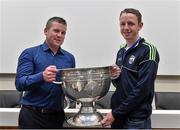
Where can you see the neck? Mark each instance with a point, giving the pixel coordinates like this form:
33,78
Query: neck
54,49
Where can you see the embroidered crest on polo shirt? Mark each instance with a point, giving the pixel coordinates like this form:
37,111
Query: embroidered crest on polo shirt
131,59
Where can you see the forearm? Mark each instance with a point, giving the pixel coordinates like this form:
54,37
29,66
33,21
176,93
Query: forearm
24,83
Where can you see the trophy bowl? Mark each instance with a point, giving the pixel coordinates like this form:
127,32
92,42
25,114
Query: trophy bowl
86,85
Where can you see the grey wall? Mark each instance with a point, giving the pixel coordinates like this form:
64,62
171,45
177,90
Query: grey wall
93,29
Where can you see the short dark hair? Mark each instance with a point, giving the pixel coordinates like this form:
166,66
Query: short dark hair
55,19
133,11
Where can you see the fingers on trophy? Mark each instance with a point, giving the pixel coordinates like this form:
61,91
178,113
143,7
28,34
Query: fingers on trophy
115,71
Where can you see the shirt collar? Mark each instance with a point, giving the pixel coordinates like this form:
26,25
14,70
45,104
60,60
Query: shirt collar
46,48
136,43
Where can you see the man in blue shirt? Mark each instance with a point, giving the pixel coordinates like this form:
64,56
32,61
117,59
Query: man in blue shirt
42,101
138,61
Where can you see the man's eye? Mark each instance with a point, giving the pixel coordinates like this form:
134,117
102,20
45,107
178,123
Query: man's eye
122,24
56,31
130,23
63,33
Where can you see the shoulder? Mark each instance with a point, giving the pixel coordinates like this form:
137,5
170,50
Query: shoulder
149,46
30,50
67,53
122,45
150,50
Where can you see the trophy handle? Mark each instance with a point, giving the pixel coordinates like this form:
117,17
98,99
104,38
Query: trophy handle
56,82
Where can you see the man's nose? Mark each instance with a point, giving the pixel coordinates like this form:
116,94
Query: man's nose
60,34
126,26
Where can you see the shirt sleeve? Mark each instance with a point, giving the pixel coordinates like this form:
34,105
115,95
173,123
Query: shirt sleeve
25,77
144,86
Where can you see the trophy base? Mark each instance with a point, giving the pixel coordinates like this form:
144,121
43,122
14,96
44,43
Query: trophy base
86,120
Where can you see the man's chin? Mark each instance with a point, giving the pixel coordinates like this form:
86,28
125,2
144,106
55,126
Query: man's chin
127,37
58,44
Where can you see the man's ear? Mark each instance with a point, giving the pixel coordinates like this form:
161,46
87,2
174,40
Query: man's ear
45,31
140,25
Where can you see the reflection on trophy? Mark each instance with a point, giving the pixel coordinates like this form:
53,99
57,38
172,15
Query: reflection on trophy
86,85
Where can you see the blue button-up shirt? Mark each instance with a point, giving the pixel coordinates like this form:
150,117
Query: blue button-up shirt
29,78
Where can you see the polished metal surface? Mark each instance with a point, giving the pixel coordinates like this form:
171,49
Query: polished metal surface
86,85
66,103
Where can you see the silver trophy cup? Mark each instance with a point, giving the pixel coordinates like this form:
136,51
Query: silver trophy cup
86,85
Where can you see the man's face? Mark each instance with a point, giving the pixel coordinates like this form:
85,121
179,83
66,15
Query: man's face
55,34
129,26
